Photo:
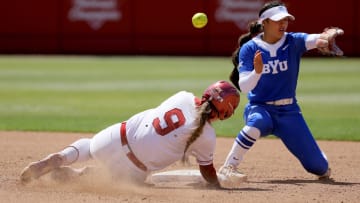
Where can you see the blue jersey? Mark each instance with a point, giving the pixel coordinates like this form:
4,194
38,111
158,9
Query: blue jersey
278,81
281,66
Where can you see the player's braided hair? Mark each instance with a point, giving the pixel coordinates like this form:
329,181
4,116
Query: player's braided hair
204,112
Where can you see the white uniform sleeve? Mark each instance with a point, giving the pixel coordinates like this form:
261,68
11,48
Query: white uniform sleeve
204,147
248,80
310,41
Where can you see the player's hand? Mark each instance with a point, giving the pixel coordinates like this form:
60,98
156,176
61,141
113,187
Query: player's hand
258,63
326,43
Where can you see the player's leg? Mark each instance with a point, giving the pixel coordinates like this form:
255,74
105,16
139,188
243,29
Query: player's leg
106,147
297,137
82,150
243,142
77,151
258,123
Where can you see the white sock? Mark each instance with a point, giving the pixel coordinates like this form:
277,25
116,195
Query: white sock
77,152
245,139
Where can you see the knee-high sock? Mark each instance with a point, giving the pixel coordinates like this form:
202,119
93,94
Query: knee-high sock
243,142
77,152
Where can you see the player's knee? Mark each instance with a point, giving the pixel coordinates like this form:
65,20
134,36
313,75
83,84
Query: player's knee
317,169
317,166
82,148
261,120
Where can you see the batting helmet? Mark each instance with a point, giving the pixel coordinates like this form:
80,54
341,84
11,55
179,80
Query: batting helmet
224,98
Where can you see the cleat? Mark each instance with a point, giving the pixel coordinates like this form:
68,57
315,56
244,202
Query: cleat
326,176
64,174
39,168
233,172
67,173
230,177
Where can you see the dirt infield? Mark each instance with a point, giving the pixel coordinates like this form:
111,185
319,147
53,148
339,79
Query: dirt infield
274,175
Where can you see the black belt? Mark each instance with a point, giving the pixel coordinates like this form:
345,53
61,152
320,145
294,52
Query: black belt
130,154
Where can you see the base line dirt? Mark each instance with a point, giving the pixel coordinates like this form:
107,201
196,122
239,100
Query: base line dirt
274,175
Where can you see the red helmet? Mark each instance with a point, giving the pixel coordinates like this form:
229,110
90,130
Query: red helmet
224,97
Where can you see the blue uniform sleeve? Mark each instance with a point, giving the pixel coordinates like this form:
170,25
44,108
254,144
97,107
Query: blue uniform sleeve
281,66
246,57
299,41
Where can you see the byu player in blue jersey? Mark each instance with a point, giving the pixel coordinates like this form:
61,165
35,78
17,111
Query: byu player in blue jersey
267,69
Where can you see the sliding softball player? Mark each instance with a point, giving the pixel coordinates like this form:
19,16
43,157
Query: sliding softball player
153,139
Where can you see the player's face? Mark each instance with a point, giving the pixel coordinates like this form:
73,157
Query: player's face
275,30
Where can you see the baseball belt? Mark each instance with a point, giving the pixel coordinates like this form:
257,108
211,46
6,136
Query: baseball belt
281,102
131,156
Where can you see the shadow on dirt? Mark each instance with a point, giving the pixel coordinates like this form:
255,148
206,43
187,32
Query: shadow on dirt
300,182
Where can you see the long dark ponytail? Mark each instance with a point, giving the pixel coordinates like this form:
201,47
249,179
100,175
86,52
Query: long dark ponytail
254,29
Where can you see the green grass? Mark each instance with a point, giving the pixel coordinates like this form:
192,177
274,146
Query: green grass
329,94
88,93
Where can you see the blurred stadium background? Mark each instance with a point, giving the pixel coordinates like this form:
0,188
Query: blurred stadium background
156,27
81,65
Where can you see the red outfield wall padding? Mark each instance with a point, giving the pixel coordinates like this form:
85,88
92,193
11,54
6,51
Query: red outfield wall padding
155,27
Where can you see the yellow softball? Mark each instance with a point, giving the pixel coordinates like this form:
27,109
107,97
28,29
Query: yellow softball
199,20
